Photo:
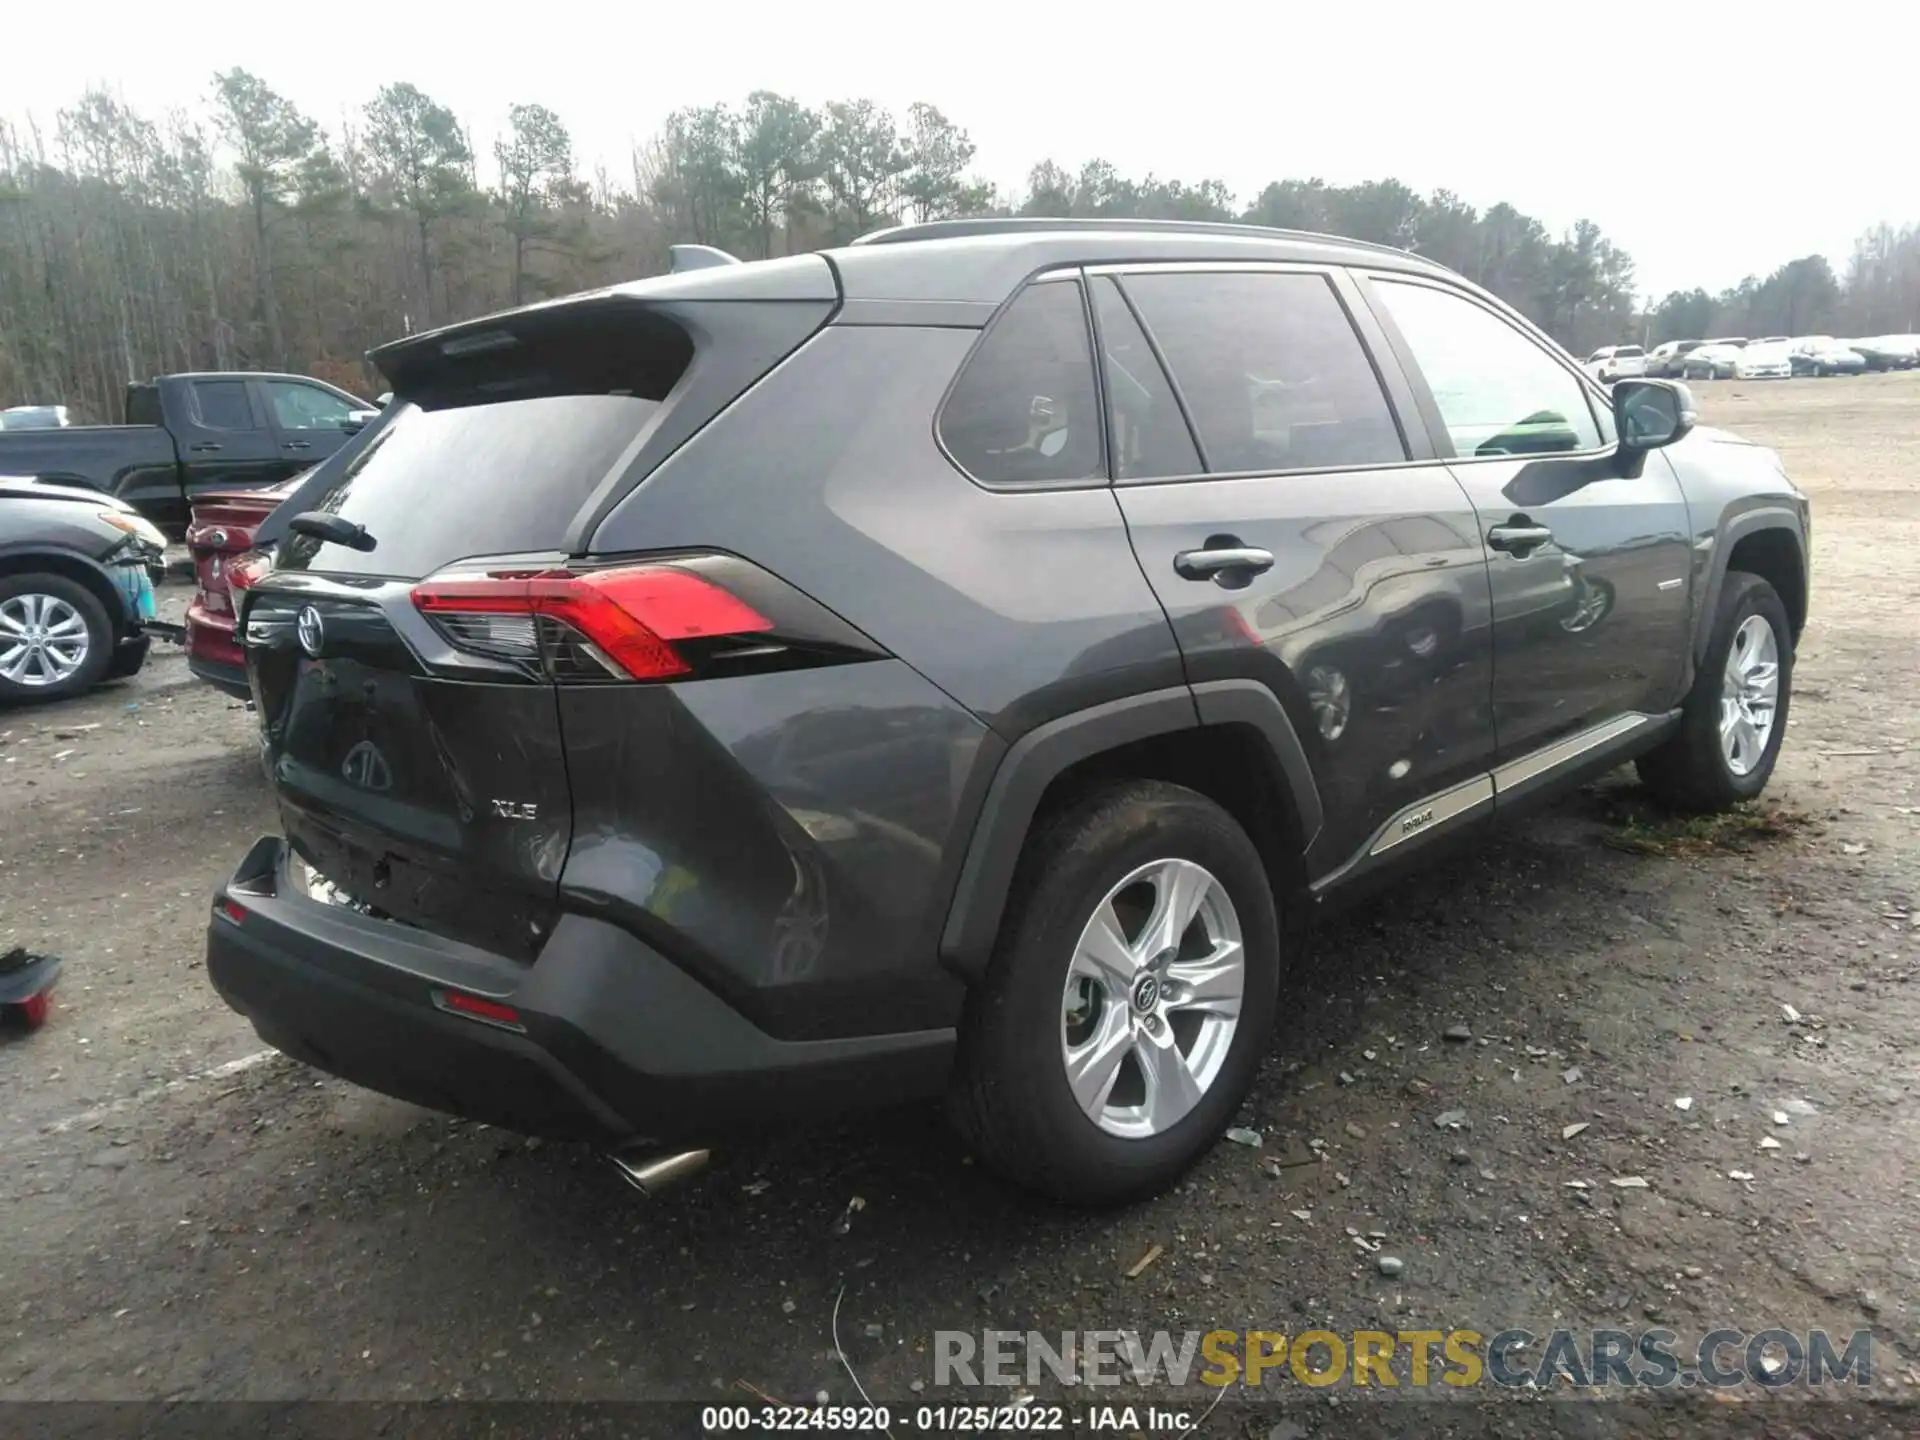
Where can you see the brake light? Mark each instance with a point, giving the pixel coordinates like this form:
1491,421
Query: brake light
631,617
248,570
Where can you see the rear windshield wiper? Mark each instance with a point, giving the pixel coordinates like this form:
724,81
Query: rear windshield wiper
335,528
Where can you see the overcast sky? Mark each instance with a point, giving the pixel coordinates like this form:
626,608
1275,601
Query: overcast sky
1712,140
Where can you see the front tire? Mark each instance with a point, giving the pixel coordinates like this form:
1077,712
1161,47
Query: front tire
1129,1000
1735,717
55,639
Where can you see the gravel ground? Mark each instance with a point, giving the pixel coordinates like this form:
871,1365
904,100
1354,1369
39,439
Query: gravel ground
187,1218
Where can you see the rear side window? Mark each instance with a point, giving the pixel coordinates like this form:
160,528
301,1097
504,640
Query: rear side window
1148,433
1024,409
222,404
1272,370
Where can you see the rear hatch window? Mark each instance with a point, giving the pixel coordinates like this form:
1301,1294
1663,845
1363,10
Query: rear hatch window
507,434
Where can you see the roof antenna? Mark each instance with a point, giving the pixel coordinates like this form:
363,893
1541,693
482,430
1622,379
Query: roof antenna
697,257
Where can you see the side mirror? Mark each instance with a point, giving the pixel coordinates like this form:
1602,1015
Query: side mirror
1652,413
358,420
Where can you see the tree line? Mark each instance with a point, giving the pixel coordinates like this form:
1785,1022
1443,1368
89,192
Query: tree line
242,234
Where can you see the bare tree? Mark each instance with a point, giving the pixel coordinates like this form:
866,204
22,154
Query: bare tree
273,140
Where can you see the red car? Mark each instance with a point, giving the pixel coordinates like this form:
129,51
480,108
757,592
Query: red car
220,531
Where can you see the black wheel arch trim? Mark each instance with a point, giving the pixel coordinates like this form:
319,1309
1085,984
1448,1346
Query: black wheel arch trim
1750,522
1040,756
99,580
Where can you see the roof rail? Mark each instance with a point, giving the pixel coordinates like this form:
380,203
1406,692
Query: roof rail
1039,224
682,258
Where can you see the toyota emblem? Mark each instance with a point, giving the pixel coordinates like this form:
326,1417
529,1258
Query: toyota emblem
312,631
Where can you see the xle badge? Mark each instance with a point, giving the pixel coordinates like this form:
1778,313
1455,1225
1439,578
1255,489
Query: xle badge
515,809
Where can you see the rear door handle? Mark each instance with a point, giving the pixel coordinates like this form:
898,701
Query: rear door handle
1518,539
1221,559
299,445
204,446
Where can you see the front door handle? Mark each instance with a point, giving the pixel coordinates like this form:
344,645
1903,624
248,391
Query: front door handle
204,447
299,445
1220,560
1518,537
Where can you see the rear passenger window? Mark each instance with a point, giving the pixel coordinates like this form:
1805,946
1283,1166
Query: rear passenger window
1498,392
1148,433
1023,411
1272,371
223,404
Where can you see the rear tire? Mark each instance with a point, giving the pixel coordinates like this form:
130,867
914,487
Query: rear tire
1699,769
1048,1004
71,642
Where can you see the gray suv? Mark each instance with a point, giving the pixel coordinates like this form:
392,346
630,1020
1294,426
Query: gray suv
957,665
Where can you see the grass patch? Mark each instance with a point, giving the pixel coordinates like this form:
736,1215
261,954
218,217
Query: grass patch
1640,828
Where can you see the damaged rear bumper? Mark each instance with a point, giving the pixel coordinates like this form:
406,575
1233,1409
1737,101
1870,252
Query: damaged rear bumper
601,1039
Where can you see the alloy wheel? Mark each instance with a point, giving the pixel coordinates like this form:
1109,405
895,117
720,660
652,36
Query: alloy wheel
1153,998
1749,694
43,640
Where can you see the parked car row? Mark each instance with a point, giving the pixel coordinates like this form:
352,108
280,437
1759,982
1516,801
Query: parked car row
1736,357
85,511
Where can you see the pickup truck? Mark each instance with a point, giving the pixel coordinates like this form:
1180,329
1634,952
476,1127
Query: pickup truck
193,433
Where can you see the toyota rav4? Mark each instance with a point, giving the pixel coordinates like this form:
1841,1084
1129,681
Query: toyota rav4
956,665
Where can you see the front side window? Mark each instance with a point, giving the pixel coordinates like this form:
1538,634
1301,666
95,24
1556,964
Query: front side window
1498,392
1024,410
306,407
1273,373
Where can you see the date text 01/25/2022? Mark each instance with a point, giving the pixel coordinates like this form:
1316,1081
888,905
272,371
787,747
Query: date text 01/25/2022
940,1419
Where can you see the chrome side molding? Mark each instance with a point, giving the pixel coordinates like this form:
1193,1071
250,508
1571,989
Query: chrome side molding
1424,816
1470,799
1565,752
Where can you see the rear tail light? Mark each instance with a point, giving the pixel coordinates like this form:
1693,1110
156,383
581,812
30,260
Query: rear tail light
249,569
654,621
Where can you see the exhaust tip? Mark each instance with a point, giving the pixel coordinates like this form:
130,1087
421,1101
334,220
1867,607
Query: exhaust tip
650,1172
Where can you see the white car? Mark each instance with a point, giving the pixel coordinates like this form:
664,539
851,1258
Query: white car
1616,362
1761,361
34,417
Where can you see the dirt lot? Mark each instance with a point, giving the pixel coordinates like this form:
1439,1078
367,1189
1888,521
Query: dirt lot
185,1217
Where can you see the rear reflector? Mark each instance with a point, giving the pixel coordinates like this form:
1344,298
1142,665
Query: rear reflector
631,615
476,1007
231,910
